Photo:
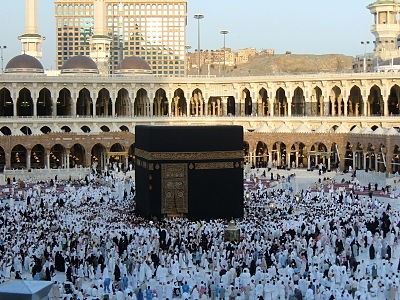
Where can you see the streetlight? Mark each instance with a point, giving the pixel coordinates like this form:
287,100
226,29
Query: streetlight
365,43
2,60
224,33
198,17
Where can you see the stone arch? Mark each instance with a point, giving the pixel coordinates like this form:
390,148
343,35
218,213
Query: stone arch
124,128
66,129
141,104
261,160
318,155
44,104
2,159
298,102
19,157
281,104
348,157
64,103
336,107
197,103
394,100
57,154
279,158
375,105
77,156
119,158
6,103
26,130
355,103
5,130
84,105
104,103
86,129
298,152
98,156
24,103
45,129
316,103
38,157
123,103
247,102
160,105
231,106
214,106
178,103
263,109
334,156
105,128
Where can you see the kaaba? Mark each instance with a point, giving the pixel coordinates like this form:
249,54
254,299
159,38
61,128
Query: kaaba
190,171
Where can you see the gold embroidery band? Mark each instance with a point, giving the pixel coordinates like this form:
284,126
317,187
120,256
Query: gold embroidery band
209,155
214,165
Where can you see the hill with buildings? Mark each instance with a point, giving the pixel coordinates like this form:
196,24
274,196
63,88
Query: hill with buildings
267,64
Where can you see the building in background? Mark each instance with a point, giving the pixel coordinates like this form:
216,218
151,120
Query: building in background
153,30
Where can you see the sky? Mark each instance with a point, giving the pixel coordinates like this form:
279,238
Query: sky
308,26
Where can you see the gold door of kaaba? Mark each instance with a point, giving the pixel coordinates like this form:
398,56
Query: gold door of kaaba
174,189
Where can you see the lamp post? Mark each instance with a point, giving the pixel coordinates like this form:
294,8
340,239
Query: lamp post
224,33
198,17
2,59
365,43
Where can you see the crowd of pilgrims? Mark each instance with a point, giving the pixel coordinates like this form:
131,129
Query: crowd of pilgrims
83,236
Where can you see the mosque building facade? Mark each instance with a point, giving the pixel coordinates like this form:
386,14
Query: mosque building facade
84,116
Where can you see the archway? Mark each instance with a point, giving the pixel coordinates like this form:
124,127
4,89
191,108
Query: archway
318,155
6,103
263,109
160,105
57,156
85,129
214,106
98,157
18,157
65,129
44,105
105,128
178,104
355,104
231,106
197,103
316,104
247,102
26,130
77,156
394,100
25,103
5,130
64,103
123,103
348,157
103,103
375,105
261,155
246,151
124,128
45,129
381,159
117,155
84,105
334,156
141,103
280,105
336,102
279,158
38,157
298,154
298,102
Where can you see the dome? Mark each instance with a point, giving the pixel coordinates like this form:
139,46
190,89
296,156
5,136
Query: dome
133,65
79,64
24,64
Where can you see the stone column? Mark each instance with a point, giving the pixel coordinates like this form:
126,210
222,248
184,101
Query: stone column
67,153
329,163
345,103
385,106
28,158
354,160
376,162
47,159
289,108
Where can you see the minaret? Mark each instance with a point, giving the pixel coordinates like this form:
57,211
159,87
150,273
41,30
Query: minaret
386,27
100,41
31,40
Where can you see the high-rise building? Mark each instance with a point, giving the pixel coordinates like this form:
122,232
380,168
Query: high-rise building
155,30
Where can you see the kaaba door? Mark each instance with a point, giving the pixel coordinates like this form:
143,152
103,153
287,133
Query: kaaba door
174,189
